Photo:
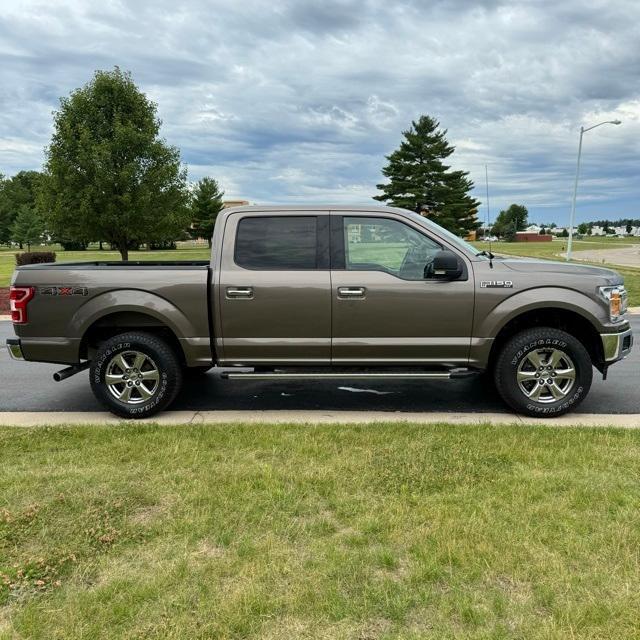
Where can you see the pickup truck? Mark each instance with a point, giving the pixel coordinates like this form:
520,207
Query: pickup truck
324,292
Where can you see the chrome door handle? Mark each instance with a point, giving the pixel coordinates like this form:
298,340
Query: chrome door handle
351,292
240,292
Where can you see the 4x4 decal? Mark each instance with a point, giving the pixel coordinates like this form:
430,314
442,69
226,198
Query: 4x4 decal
496,284
64,291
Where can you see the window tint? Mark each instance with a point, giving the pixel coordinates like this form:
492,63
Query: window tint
381,244
272,243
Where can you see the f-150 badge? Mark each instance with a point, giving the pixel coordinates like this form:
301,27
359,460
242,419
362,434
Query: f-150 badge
496,284
64,291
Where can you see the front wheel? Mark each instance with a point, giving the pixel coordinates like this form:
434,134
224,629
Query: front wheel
135,375
543,372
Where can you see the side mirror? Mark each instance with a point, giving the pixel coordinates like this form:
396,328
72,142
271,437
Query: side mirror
446,266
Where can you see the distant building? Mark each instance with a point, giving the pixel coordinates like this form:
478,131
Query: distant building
532,236
227,204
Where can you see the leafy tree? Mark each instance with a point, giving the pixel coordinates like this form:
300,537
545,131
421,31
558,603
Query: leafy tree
629,228
511,220
420,180
564,233
583,228
109,176
16,192
206,204
27,228
543,231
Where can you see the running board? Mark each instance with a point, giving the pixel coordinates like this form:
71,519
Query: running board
273,375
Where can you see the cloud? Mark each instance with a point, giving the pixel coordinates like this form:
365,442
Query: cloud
299,101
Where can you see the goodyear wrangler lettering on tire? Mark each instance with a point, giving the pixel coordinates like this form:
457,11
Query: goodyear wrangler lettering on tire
135,375
543,372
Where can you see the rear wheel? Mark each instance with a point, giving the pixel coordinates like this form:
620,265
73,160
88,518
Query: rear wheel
135,375
543,372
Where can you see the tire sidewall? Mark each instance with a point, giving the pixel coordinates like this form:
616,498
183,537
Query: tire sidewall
163,358
519,347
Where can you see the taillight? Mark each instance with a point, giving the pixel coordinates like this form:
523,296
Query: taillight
18,299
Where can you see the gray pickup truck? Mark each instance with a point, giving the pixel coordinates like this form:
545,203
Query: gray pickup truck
324,292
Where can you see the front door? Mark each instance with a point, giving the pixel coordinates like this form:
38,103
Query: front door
386,309
274,292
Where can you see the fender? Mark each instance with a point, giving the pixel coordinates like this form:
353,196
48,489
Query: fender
150,304
490,324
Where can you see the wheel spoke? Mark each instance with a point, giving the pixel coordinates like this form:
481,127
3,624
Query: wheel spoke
556,392
125,396
139,360
144,392
555,358
534,359
534,394
113,378
523,376
121,362
152,375
566,374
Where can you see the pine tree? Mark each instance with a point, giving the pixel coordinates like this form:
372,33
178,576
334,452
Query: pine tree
205,207
27,228
419,179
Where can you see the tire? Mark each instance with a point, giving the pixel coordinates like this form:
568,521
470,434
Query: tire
144,375
543,354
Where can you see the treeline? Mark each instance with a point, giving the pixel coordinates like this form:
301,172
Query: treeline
108,177
622,222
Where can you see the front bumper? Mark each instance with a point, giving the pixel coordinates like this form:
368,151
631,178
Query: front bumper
15,348
616,346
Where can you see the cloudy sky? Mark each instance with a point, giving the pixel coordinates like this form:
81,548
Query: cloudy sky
299,100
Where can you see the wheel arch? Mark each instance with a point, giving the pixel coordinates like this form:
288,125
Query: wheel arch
556,317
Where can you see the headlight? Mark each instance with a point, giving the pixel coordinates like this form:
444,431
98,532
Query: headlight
616,298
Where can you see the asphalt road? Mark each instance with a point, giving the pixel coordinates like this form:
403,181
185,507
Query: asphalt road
28,386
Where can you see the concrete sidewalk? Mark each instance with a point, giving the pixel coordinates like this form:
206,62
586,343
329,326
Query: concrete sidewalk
38,419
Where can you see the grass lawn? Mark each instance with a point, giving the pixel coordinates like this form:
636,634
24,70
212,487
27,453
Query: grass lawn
328,531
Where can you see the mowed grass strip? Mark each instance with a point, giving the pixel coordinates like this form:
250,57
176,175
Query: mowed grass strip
328,531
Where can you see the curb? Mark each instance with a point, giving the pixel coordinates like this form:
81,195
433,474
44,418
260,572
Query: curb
41,419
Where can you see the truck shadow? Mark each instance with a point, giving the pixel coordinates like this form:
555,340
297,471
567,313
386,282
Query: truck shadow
210,392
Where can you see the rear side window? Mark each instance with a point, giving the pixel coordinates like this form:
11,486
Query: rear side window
277,243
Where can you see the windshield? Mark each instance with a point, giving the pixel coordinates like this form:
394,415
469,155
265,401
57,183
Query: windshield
452,237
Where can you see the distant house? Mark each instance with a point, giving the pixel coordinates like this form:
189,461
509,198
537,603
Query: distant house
533,236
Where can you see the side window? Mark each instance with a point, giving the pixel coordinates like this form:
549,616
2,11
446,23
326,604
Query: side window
382,244
276,243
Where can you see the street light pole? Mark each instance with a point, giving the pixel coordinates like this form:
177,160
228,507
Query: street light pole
575,184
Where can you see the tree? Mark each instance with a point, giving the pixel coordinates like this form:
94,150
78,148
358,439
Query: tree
629,228
419,179
206,204
27,228
583,228
511,220
543,231
16,192
109,176
564,233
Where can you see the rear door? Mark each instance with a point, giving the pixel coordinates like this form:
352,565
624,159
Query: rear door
274,294
386,309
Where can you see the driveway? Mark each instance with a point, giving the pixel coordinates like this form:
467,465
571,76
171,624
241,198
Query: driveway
28,386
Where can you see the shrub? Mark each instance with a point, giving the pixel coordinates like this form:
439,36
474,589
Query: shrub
35,257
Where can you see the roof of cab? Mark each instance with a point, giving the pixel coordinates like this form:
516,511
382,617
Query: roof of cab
256,208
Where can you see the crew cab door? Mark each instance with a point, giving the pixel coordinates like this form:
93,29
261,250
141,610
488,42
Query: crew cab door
274,292
384,309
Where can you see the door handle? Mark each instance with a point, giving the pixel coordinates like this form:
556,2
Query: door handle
351,292
240,292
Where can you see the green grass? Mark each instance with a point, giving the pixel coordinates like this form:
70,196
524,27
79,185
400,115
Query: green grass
361,531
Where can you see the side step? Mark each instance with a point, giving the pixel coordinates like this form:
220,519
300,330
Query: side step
378,375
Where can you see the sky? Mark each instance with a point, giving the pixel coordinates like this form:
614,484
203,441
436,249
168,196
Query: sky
299,101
